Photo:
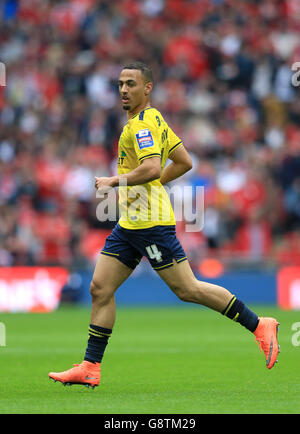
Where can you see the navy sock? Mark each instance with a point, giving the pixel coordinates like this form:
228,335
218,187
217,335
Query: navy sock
237,311
98,339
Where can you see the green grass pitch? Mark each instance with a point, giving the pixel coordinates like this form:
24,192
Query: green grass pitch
175,360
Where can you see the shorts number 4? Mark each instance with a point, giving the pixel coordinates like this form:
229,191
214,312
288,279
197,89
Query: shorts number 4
154,253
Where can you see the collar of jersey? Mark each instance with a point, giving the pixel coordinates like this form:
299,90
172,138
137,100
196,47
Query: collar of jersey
148,108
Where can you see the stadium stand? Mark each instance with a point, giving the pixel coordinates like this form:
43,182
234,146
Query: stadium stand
223,82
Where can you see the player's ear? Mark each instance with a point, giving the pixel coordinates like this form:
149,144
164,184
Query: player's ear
148,88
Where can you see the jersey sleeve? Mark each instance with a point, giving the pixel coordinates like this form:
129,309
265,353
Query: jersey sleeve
174,141
146,140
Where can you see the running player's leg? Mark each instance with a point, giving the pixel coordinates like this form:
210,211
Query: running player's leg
110,272
160,245
117,261
178,275
108,275
182,281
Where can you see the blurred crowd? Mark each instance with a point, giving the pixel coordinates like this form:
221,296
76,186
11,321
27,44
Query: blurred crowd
223,81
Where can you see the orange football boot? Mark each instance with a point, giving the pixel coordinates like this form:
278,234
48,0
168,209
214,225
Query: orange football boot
85,373
266,338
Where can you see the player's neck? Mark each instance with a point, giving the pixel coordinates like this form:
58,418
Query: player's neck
137,110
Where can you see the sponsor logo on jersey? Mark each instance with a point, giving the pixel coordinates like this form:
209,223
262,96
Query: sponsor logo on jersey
144,139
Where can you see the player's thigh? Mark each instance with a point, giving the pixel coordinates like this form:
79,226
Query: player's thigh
109,274
179,277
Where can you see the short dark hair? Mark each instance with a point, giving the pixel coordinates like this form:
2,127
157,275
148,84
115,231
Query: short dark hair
145,70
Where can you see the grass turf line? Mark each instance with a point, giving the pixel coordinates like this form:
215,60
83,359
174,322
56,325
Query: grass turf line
181,360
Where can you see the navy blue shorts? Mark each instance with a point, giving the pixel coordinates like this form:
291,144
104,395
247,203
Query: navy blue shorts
159,244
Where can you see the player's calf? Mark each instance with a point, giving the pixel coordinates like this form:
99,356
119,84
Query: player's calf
239,312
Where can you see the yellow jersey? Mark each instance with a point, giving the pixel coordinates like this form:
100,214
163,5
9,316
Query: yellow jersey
145,135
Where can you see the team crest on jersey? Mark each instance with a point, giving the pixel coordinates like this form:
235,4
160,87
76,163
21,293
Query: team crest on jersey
144,139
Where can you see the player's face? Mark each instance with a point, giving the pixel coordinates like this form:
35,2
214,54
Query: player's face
133,90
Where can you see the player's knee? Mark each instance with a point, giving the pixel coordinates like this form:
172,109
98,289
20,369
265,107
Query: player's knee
188,296
182,292
190,293
99,292
184,296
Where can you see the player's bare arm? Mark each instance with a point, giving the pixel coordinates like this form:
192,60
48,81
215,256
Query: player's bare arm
181,163
148,170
